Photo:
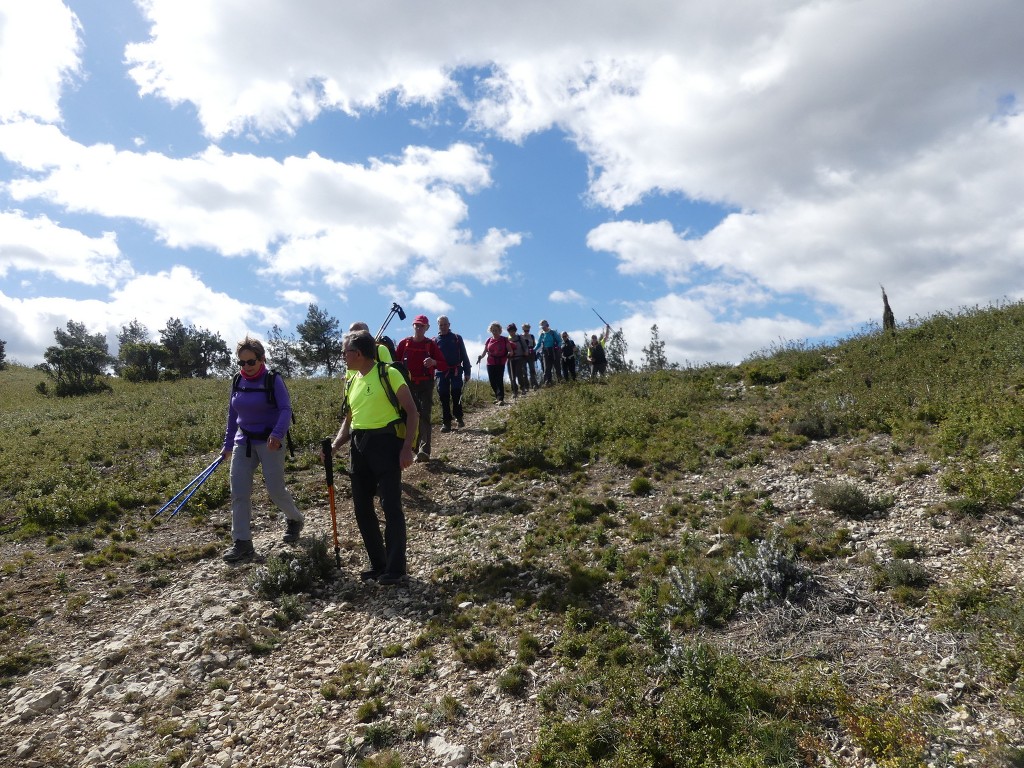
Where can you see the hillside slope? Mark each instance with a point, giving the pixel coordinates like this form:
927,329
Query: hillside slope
182,664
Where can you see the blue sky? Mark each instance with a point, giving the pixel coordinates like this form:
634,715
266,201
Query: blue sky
738,174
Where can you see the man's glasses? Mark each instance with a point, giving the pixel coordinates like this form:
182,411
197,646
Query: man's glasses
247,363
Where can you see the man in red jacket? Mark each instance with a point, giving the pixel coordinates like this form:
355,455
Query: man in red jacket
422,358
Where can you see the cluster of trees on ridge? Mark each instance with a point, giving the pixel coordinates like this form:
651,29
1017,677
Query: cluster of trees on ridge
79,362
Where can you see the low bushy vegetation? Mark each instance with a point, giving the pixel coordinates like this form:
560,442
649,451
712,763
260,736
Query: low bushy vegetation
639,575
948,385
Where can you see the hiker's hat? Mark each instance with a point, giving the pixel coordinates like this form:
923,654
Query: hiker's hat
421,320
543,323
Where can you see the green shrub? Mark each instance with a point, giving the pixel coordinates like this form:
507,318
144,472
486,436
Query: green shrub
514,681
293,572
846,499
640,486
900,573
370,710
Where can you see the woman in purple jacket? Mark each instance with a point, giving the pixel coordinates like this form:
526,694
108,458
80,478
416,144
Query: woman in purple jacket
259,414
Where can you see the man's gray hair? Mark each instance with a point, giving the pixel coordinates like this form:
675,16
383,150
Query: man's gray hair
363,342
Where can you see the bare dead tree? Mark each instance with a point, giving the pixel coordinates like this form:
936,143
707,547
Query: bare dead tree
888,318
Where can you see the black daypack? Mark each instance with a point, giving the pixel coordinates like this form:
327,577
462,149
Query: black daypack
388,342
268,387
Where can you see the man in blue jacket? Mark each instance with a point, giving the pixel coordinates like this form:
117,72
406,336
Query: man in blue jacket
549,347
450,382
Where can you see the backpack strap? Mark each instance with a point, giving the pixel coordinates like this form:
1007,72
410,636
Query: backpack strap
389,390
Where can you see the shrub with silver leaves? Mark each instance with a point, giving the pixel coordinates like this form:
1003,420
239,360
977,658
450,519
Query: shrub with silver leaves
769,574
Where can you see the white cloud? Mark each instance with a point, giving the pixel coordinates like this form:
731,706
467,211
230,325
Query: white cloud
39,55
429,303
300,216
645,248
694,331
29,323
40,245
566,297
303,298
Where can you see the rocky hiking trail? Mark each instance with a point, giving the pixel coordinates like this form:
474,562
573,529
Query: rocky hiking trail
185,665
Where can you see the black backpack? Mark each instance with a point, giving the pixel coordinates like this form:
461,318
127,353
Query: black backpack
388,342
269,382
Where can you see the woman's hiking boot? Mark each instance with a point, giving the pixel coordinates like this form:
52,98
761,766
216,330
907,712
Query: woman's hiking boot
239,551
292,530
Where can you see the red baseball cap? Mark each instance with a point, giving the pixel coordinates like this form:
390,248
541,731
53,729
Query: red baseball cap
421,320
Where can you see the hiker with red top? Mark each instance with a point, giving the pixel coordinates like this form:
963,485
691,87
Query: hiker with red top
422,359
498,349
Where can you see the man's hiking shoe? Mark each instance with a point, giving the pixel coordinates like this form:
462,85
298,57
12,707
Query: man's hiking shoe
390,579
446,428
239,552
422,456
292,530
370,575
461,423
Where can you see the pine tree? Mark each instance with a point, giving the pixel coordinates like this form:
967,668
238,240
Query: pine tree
320,342
616,351
654,353
281,351
77,361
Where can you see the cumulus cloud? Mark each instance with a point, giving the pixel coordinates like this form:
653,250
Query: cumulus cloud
39,245
39,55
566,297
29,323
305,298
300,216
694,330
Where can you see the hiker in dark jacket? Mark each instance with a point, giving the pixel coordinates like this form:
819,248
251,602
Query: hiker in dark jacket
517,362
568,357
258,421
596,355
450,383
531,355
547,345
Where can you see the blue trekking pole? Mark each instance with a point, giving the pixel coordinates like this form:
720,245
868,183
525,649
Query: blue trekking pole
190,488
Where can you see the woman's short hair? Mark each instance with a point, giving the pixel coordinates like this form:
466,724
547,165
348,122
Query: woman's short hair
253,345
363,342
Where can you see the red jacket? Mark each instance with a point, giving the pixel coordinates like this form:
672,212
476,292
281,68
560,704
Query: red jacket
413,353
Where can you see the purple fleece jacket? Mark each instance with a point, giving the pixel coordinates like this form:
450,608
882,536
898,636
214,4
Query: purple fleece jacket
249,409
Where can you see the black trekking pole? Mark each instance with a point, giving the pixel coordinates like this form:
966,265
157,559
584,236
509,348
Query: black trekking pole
190,488
328,450
395,310
600,318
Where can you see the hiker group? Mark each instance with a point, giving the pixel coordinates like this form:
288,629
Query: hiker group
385,419
520,353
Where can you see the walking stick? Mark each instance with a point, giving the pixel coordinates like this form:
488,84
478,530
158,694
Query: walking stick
328,451
395,310
190,488
599,317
